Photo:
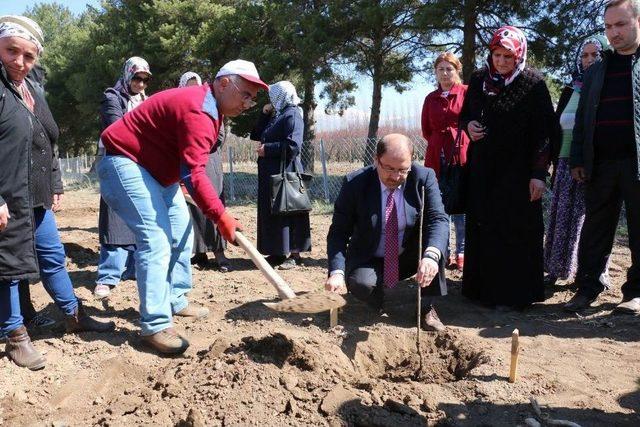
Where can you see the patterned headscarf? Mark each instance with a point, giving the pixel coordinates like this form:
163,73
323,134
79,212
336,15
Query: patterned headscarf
184,79
23,27
514,40
283,94
601,44
133,66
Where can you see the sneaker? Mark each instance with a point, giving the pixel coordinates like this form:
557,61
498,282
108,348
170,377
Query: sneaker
102,291
287,264
167,341
40,320
629,307
194,310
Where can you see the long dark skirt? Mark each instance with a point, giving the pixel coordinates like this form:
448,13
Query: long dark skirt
279,235
206,237
504,230
566,216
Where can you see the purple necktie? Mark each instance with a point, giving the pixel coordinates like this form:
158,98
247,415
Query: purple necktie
391,275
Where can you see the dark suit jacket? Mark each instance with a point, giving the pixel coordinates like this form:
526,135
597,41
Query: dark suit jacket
356,227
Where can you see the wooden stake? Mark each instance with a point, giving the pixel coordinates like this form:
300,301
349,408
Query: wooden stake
515,350
419,287
333,317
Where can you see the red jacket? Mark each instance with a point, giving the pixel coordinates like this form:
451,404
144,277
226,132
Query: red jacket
171,135
440,125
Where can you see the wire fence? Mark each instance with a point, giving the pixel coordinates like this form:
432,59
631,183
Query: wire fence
327,161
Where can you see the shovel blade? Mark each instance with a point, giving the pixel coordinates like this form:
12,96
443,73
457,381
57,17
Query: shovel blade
316,302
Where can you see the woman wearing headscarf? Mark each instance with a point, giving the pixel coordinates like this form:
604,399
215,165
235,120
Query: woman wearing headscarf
30,246
509,117
117,242
440,117
205,233
280,238
567,210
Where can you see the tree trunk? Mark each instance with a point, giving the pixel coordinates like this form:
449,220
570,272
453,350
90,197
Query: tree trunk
308,109
469,41
374,119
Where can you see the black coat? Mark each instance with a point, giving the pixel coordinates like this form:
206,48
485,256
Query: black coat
46,179
112,230
17,246
279,235
504,230
356,226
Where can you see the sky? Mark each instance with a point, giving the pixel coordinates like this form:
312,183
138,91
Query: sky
408,104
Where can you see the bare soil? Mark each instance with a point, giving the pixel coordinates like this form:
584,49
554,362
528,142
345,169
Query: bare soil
248,365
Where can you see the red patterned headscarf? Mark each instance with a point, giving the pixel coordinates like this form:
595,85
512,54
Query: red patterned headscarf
514,40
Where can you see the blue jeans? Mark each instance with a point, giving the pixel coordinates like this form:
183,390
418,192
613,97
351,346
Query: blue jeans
458,223
116,263
53,273
160,221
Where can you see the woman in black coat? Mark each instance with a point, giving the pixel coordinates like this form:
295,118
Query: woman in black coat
117,242
30,186
510,119
280,129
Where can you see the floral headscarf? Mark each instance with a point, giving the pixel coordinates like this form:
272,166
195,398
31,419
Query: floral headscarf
577,75
132,66
283,94
514,40
23,27
184,79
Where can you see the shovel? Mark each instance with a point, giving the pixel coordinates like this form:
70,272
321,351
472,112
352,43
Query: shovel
316,302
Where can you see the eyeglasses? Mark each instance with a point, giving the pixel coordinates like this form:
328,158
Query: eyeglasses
390,170
247,99
143,80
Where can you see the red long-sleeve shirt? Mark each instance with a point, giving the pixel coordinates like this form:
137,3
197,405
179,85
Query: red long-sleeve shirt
440,125
171,135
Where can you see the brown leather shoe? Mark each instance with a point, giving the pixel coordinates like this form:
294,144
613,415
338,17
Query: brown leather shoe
194,310
20,349
82,322
167,341
431,322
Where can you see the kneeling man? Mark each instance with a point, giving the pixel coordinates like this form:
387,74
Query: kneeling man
373,238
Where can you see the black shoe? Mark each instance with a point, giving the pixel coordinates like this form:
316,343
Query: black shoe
200,260
275,260
578,303
550,280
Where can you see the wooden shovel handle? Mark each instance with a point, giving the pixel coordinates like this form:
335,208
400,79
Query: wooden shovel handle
284,290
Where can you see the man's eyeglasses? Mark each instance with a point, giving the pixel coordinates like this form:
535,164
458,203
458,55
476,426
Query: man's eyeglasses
144,80
247,99
389,169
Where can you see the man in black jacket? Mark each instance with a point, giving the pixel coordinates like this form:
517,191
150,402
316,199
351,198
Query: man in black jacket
604,153
373,238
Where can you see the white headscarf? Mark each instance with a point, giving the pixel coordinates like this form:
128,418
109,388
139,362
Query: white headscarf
282,95
23,27
184,79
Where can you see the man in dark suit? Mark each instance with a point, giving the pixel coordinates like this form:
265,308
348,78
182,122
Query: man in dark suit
373,238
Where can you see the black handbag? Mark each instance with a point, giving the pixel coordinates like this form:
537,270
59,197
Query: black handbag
289,190
452,180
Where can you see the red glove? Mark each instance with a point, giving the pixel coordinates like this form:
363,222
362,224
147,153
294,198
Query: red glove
227,225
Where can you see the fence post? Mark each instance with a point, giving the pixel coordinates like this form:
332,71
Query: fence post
323,159
232,192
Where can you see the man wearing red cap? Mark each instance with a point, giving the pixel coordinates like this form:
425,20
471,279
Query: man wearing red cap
149,151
